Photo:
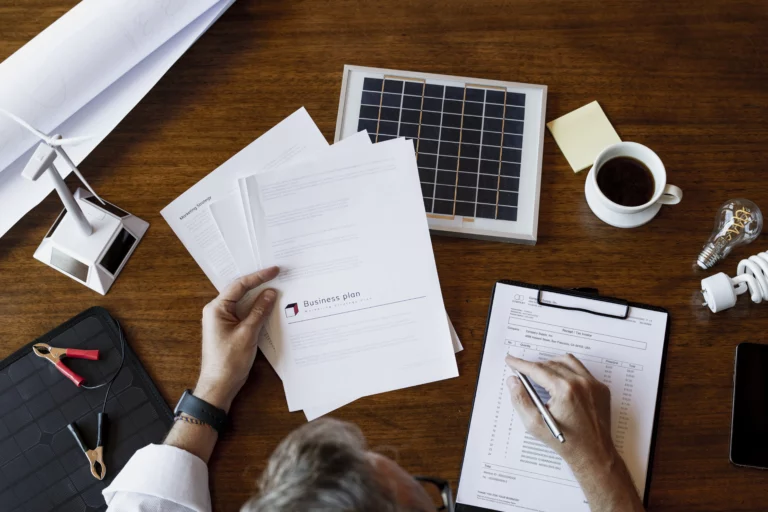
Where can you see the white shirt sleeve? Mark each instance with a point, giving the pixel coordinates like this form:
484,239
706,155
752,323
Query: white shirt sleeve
160,478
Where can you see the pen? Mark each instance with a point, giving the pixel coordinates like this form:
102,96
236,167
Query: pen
548,419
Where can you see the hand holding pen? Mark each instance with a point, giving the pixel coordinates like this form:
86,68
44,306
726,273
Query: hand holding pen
549,421
579,408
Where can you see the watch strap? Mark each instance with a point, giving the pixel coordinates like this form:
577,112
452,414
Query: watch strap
199,409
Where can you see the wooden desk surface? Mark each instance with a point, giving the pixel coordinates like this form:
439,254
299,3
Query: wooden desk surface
686,78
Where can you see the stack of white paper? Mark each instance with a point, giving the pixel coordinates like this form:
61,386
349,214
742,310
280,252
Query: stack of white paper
359,306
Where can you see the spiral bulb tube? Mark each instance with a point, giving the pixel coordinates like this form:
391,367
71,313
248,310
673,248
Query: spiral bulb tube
720,291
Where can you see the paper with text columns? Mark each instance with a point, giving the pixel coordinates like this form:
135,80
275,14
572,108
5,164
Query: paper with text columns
229,214
505,468
189,215
351,238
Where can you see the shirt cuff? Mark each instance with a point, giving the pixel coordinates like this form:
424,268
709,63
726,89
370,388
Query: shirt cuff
165,472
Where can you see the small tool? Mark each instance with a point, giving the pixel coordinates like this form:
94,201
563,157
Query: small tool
54,355
95,456
548,419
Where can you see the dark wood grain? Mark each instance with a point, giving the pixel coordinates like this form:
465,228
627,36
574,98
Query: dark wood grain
689,79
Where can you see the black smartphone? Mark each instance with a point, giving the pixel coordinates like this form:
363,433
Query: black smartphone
749,421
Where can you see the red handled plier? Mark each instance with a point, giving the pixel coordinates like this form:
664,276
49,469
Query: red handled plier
54,355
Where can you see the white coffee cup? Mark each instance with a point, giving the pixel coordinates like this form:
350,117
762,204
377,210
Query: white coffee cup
630,216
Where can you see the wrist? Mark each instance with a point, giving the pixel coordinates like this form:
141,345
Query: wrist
606,482
602,461
604,470
215,393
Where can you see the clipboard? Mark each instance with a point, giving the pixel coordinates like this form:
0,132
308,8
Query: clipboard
620,309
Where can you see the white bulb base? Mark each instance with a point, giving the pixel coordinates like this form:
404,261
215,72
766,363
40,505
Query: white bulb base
719,292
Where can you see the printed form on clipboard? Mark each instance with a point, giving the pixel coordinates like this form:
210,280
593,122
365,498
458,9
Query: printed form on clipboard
622,344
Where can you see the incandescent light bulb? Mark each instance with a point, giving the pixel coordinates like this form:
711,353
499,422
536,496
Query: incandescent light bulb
738,222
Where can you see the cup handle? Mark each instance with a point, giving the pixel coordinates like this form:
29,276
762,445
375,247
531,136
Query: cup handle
671,195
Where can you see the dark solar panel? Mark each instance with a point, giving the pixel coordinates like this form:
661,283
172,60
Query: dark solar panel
107,207
468,141
118,251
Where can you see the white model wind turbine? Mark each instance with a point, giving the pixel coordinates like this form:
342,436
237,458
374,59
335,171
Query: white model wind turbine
91,239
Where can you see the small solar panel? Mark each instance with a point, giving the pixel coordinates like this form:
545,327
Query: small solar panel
478,144
69,265
118,251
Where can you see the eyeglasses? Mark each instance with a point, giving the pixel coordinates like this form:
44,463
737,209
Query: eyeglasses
439,490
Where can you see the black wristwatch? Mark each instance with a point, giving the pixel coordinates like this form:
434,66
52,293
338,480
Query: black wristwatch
201,410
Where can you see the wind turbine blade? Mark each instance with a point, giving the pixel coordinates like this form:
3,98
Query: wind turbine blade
71,141
64,156
26,125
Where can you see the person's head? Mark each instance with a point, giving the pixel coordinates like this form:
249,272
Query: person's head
325,466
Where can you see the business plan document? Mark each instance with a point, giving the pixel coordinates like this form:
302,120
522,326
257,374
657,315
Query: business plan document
229,214
507,469
215,220
355,311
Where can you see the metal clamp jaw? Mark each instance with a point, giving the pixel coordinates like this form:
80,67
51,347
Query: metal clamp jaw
96,456
54,356
96,460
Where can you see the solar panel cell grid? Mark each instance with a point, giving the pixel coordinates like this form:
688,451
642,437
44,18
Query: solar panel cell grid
469,141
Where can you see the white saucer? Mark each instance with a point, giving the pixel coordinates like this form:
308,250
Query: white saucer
619,220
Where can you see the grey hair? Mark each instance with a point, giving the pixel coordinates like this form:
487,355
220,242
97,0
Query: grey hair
321,467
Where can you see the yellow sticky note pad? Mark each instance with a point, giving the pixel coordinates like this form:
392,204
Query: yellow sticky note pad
583,134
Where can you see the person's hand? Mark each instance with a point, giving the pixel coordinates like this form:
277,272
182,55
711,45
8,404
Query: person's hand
229,343
581,406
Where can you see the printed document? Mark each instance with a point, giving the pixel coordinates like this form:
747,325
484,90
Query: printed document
316,411
229,215
505,468
234,216
355,311
189,215
232,212
220,212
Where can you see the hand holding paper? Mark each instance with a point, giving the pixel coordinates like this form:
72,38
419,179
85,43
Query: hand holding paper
330,216
229,341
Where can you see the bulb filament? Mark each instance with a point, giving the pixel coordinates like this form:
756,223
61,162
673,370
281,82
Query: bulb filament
740,219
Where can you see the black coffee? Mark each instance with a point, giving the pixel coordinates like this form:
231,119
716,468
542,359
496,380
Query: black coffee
626,181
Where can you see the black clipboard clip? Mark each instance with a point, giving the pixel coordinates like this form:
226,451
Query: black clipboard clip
583,293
